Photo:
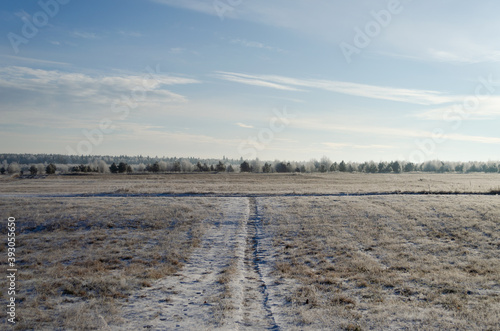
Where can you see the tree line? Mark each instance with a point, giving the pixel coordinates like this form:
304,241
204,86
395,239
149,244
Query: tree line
63,159
323,165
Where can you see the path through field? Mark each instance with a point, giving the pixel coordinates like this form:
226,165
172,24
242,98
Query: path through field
224,285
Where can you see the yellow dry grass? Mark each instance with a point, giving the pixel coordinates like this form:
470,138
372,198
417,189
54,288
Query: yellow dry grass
417,262
251,183
77,257
366,262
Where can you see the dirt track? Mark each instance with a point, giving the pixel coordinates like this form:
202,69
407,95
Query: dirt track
224,285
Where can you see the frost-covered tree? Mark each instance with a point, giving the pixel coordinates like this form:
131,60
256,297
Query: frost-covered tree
162,166
63,168
310,166
176,166
324,164
102,166
186,166
266,168
371,167
40,168
13,168
256,165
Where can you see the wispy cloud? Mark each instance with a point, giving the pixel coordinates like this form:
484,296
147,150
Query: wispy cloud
176,50
130,131
422,97
133,34
51,80
33,60
206,7
244,126
457,41
252,80
487,109
314,17
85,35
37,93
356,146
255,44
461,56
378,131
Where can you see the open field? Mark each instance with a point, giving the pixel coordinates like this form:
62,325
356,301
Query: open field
430,262
223,183
250,251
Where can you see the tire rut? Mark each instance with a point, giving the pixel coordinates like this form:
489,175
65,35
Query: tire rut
256,297
194,298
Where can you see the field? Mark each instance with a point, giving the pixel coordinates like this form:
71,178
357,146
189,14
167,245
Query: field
255,251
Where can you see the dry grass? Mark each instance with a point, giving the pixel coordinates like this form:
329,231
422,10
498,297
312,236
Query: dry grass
426,262
78,257
223,303
252,183
372,262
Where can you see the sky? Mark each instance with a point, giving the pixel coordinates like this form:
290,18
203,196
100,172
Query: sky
289,80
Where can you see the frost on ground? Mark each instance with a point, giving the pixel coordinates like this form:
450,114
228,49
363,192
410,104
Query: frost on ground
385,263
223,285
78,258
251,261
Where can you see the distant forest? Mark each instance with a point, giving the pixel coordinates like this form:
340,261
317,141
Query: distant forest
62,164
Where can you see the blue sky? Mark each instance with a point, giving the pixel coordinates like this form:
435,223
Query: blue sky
290,80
